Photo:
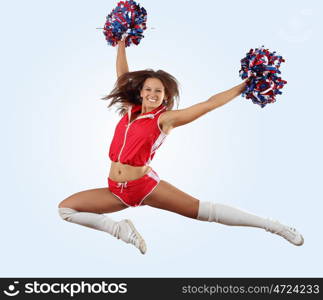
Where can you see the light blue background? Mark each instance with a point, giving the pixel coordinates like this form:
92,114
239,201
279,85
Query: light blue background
55,67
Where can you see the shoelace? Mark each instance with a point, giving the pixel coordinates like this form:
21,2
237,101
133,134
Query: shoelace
283,231
133,239
289,231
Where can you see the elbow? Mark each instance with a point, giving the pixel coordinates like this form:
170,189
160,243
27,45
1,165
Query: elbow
121,72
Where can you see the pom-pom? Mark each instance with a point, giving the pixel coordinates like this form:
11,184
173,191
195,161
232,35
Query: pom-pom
261,67
127,18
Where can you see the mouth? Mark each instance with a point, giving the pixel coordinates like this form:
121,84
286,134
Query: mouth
152,100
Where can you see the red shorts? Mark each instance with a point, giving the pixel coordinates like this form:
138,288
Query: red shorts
133,192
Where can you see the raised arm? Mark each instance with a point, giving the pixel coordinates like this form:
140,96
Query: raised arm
121,65
226,96
175,118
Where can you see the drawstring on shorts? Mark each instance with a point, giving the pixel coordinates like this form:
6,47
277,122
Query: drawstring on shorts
122,185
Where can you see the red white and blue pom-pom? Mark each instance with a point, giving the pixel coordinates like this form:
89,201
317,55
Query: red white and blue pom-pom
127,18
261,67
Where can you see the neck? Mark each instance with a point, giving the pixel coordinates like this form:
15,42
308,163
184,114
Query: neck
145,109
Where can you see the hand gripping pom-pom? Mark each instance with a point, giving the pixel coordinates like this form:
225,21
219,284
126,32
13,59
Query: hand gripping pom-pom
127,18
261,67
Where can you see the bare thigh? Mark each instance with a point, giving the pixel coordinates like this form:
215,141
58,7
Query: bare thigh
99,200
168,197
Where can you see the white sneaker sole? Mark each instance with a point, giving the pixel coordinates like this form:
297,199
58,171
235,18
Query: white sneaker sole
301,242
142,243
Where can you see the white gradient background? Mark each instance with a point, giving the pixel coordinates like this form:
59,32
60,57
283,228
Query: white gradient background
55,67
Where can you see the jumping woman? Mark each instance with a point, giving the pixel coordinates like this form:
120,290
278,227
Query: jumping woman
146,99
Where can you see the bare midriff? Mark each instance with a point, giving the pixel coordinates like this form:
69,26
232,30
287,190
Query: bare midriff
121,172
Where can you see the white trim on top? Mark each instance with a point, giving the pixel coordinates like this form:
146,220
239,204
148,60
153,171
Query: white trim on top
158,142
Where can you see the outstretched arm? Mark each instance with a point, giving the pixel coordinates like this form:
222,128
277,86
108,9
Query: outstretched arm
175,118
122,65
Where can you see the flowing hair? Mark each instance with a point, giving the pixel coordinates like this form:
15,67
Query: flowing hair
128,86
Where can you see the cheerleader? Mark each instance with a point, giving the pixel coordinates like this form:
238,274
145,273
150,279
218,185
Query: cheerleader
145,102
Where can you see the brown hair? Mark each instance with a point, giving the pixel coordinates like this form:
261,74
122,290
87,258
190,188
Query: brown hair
127,89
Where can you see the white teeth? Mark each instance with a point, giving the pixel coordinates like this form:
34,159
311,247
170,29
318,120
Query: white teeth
151,100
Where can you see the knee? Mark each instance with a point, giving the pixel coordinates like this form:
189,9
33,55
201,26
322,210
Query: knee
61,204
65,212
67,202
64,203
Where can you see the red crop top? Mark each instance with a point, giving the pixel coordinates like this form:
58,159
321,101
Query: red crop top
135,143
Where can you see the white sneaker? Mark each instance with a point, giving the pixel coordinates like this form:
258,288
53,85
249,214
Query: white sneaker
288,233
128,233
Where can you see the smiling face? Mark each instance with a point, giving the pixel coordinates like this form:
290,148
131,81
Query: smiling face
152,94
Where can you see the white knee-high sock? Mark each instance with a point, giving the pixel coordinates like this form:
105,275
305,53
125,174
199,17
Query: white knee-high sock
123,229
228,215
92,220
